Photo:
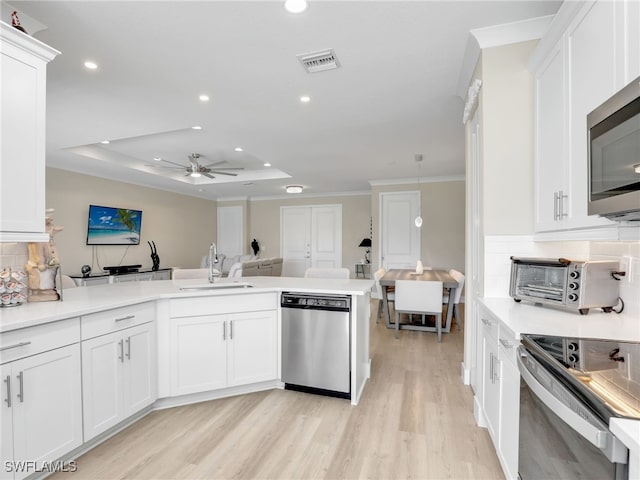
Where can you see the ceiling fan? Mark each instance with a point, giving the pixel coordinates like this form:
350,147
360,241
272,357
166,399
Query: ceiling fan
195,169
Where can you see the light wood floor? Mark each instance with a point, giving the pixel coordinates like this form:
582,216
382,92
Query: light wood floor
415,420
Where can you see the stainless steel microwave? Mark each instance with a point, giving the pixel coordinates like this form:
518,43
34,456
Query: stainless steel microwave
614,156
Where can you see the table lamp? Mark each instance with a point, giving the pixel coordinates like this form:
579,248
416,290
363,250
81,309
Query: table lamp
366,243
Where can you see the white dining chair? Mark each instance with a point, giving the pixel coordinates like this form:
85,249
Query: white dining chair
326,273
377,275
459,277
67,282
423,297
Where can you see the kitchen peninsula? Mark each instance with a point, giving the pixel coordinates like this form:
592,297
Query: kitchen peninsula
79,370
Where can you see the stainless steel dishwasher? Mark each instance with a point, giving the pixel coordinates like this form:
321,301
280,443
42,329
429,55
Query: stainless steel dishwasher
316,339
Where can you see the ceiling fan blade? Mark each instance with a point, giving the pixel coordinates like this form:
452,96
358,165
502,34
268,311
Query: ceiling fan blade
208,175
218,172
173,163
225,168
215,163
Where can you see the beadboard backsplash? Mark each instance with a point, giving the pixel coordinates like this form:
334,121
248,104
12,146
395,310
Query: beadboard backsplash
500,248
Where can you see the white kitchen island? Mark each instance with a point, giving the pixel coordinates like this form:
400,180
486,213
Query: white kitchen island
109,354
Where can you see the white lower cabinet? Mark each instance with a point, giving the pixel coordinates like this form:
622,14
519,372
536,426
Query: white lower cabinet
41,410
501,390
209,352
118,376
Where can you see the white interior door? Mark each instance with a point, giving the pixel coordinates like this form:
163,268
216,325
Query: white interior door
311,236
230,230
326,236
295,244
399,237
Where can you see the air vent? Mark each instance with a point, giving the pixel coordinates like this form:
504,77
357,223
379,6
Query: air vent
319,61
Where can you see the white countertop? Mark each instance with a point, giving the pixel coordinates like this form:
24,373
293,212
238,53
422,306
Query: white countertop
84,300
523,318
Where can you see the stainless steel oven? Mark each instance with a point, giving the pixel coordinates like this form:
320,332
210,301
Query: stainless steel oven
565,412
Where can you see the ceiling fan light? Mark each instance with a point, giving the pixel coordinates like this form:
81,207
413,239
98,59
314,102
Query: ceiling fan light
195,174
293,188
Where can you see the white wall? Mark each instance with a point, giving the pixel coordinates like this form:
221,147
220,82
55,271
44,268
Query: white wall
181,227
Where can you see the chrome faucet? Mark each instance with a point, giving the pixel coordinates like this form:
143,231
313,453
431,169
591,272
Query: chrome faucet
213,258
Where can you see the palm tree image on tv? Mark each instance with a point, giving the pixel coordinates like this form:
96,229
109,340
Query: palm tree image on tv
126,218
113,226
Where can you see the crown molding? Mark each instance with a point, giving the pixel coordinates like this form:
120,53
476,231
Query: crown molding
414,180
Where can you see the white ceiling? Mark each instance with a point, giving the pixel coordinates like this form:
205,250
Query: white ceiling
393,97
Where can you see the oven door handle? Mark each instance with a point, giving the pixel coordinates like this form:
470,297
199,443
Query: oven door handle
593,430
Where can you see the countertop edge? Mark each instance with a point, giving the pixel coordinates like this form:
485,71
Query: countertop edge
87,300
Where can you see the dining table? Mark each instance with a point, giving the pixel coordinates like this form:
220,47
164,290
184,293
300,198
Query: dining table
389,279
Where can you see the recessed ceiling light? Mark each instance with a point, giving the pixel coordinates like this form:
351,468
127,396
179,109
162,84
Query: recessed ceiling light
248,184
157,159
295,6
201,190
238,149
196,127
267,164
293,188
305,99
204,98
90,65
105,142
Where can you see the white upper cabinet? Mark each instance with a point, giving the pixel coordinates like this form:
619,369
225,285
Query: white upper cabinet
591,52
551,167
23,62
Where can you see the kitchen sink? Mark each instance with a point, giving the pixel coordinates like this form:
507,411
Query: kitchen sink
218,286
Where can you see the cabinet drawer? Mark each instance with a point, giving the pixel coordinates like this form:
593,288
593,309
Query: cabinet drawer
100,323
490,326
191,307
41,338
507,345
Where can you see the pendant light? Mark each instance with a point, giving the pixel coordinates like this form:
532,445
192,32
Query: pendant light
418,220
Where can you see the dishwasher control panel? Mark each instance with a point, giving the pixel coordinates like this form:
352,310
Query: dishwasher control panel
316,302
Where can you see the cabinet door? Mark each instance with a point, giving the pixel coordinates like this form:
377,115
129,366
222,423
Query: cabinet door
631,41
253,347
509,417
551,152
6,420
102,359
592,65
139,368
491,386
198,354
47,415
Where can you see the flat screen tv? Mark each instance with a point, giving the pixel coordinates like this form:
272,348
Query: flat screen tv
113,226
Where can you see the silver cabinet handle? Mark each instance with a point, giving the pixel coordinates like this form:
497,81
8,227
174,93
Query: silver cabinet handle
561,212
496,369
21,387
230,329
555,206
506,343
128,317
121,356
224,330
128,340
21,344
491,366
8,382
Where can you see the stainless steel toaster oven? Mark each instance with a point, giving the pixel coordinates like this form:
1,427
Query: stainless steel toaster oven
570,284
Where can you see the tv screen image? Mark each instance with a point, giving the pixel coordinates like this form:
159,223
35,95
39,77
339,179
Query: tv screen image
113,226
